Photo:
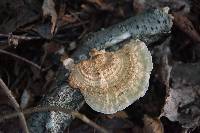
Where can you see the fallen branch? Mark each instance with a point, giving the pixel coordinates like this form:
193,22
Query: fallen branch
62,95
148,27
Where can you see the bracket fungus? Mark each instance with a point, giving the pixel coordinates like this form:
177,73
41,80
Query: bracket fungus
111,81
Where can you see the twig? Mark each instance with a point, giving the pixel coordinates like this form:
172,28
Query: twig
34,110
56,109
15,105
68,26
20,37
88,121
14,39
20,58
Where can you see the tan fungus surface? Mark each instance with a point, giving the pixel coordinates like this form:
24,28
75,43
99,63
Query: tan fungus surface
111,81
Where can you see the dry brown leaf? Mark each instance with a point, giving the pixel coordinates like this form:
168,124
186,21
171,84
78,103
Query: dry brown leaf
186,26
99,2
102,4
182,104
69,18
152,125
48,8
119,114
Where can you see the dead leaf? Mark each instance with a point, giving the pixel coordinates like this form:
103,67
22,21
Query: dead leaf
16,13
102,4
48,8
186,26
195,7
182,104
119,114
69,18
152,125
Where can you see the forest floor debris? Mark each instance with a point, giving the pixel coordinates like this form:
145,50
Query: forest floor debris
36,36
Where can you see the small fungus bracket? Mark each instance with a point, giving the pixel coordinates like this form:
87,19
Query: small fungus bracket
111,81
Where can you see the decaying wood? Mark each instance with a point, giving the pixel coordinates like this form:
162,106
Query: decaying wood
148,27
62,95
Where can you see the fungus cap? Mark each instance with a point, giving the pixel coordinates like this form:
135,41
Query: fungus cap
111,81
